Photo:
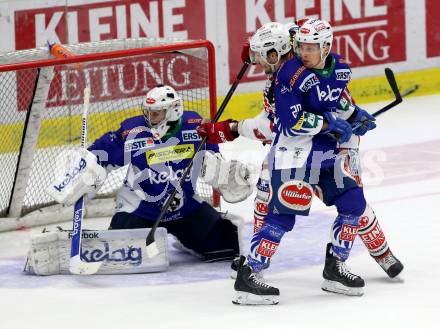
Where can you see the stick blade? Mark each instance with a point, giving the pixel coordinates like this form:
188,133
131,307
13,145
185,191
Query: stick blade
76,266
393,84
152,250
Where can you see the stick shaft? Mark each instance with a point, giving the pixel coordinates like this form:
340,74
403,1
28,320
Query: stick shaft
150,237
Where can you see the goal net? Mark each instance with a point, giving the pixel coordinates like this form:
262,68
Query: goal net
41,107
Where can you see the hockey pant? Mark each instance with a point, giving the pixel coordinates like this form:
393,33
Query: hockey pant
292,192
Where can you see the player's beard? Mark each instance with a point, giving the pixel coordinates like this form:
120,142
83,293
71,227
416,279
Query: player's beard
269,69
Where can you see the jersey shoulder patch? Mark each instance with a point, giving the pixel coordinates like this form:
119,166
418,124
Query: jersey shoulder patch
342,69
308,82
191,119
297,77
133,126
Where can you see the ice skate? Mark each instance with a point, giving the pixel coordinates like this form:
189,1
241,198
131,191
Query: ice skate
390,264
249,290
339,279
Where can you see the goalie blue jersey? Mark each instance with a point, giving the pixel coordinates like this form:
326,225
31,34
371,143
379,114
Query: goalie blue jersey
154,165
298,89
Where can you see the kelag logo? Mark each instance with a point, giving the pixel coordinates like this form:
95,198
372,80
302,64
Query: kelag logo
71,176
126,254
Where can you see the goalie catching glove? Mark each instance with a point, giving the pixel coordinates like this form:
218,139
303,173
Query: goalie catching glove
77,173
233,179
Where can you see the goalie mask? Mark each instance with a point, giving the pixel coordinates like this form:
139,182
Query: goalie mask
162,109
270,42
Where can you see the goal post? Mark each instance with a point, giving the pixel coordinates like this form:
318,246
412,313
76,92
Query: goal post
40,112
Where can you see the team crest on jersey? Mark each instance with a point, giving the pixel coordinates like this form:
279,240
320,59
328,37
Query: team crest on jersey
330,95
284,90
343,74
138,144
190,136
296,195
170,153
309,82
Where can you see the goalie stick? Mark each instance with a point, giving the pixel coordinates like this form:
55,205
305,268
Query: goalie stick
150,241
76,264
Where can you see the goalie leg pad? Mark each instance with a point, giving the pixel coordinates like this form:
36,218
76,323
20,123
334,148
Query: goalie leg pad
122,252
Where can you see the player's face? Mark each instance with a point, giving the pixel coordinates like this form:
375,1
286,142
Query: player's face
156,116
269,64
310,54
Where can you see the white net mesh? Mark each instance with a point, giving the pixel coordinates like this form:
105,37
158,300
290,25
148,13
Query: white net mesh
117,87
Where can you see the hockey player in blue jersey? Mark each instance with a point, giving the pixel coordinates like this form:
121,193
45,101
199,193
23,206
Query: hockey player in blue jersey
261,128
157,147
297,193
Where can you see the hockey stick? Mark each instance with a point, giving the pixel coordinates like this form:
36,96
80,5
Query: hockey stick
398,97
395,89
410,90
76,264
150,242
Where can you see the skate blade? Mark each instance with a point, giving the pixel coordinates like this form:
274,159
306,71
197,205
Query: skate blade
246,298
339,288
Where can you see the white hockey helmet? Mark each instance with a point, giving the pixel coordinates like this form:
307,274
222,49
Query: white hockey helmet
158,99
270,37
316,31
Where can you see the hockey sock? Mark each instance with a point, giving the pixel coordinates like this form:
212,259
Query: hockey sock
260,211
261,203
350,206
343,233
371,234
264,243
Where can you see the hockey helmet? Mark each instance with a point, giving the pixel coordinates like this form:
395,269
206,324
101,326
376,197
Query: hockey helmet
316,31
162,99
270,37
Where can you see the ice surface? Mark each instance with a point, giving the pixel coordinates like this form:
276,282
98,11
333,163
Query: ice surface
402,186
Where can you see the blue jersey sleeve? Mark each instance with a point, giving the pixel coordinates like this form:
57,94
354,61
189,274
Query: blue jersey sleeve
109,149
212,147
289,111
191,120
